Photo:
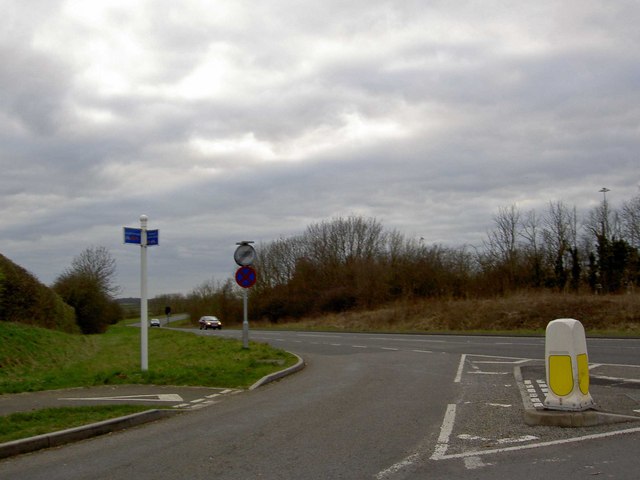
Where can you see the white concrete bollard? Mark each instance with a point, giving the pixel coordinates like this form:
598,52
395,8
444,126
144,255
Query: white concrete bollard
567,366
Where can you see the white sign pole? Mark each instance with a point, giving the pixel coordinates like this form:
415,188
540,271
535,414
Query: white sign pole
245,323
144,320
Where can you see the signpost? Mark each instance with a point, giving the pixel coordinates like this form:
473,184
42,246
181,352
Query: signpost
246,277
143,237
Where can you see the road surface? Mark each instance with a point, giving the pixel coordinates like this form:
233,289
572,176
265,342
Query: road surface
365,407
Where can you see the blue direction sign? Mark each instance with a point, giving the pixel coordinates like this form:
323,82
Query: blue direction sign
246,277
132,235
152,237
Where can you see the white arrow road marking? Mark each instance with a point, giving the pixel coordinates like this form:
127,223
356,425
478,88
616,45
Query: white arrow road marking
160,397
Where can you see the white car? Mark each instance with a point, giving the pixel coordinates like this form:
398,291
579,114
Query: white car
154,322
209,321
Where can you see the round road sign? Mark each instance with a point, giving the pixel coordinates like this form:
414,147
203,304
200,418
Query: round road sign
246,277
244,255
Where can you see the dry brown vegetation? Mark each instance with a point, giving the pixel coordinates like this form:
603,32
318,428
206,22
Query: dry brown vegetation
521,312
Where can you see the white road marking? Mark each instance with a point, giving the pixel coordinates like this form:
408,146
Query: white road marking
489,373
473,463
445,432
465,436
616,379
501,362
161,397
525,438
458,378
422,351
410,460
439,455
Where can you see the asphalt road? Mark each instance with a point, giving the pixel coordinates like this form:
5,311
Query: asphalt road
365,407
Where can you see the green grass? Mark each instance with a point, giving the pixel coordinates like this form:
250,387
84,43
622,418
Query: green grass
33,359
47,420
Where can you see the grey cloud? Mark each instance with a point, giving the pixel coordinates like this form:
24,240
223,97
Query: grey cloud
481,123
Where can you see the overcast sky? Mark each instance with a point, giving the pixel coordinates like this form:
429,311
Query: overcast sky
242,120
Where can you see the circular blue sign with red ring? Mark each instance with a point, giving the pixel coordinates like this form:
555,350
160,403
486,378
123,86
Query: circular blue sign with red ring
246,277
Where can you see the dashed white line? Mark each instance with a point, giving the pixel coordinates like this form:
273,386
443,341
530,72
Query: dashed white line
458,378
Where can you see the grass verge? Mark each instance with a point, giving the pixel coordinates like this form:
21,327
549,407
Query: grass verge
48,420
33,359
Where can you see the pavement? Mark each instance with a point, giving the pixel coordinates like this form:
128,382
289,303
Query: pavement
614,388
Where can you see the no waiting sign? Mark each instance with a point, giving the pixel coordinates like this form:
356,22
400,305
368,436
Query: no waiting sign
246,277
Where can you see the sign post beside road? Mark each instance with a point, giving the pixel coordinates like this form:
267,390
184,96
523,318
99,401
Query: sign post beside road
143,237
246,277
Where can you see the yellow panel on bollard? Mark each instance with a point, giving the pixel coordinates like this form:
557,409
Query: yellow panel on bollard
567,366
560,374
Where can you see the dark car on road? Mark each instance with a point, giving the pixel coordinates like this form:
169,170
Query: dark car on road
209,321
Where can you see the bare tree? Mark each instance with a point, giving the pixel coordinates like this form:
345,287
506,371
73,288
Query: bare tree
560,235
531,232
98,264
630,219
277,261
501,246
88,287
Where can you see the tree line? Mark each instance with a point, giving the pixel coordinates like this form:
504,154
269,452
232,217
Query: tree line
354,262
